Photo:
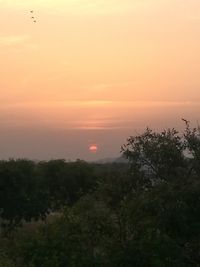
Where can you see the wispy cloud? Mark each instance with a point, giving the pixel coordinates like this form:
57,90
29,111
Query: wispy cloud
109,86
92,105
92,115
10,40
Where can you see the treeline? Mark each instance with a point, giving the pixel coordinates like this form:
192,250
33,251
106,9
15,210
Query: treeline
145,213
30,190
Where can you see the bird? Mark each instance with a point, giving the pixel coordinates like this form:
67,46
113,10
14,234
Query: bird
186,121
33,17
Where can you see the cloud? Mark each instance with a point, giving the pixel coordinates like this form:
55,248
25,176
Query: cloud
109,86
10,40
93,115
93,104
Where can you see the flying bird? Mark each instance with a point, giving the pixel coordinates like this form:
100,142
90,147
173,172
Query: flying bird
186,121
33,17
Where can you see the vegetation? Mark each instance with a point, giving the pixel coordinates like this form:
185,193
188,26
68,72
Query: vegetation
144,213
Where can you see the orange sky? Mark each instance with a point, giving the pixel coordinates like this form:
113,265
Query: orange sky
94,71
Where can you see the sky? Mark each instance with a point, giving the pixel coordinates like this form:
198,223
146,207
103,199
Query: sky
94,72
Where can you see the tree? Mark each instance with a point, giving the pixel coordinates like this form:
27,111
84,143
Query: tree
21,195
155,157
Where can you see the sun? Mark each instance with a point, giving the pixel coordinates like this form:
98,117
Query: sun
93,148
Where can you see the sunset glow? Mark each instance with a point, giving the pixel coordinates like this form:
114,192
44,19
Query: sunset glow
94,69
93,148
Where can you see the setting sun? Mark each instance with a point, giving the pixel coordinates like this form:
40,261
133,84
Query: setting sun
93,148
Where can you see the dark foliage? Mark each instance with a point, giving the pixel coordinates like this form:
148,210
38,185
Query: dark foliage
145,213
